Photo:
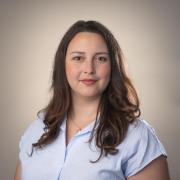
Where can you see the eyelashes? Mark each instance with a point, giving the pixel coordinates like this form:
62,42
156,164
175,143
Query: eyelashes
77,58
100,59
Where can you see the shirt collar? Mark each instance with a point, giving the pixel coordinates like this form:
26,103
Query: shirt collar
88,128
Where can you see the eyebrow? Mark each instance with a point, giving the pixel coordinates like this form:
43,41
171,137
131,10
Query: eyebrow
81,52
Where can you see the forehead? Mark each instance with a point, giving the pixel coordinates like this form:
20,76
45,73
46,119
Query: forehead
87,41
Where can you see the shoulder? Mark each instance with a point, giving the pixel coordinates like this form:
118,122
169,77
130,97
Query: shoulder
140,131
141,146
36,126
33,131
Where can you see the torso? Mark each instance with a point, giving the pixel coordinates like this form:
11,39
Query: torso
70,132
71,129
68,163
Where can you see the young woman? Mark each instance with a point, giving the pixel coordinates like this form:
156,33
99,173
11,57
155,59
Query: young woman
91,129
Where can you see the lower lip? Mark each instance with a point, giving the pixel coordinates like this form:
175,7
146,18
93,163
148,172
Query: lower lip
88,82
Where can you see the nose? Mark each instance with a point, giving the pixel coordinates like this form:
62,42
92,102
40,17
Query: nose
89,67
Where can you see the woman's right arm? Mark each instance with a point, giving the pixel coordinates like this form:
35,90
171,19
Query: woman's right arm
18,171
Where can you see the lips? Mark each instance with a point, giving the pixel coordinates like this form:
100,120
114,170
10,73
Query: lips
88,81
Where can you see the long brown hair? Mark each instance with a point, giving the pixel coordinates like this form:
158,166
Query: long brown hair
119,104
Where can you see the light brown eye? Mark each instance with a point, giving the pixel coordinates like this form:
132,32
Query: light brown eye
102,59
77,58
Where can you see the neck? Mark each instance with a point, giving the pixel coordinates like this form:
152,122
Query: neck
84,110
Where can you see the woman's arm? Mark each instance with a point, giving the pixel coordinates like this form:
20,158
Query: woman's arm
156,170
18,171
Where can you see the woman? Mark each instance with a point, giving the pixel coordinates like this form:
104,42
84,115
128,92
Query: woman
91,129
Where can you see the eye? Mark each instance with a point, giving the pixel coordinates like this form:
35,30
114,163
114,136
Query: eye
102,59
77,58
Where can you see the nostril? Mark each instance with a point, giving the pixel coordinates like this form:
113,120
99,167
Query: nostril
89,71
89,68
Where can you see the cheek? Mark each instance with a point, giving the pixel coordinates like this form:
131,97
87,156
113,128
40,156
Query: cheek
105,71
71,71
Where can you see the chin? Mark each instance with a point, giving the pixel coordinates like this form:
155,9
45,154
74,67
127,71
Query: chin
88,95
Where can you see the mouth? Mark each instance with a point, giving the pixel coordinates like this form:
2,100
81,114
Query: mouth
88,81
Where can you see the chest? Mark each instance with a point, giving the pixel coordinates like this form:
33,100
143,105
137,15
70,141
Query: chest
70,132
79,159
73,161
78,163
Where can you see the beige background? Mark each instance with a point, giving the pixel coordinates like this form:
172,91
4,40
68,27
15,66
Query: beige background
30,31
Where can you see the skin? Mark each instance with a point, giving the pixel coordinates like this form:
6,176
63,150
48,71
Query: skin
17,175
87,57
92,64
156,170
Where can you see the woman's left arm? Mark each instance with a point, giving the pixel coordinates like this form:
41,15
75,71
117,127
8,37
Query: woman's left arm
156,170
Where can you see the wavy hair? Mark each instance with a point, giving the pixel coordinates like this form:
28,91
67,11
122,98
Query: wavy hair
119,103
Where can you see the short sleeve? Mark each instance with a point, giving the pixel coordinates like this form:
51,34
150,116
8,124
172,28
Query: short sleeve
31,134
143,148
21,147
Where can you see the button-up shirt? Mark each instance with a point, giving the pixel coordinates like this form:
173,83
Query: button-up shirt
57,161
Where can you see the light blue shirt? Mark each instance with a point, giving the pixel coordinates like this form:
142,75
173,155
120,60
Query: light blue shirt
58,162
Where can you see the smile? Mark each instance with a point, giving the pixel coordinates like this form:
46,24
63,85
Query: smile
88,82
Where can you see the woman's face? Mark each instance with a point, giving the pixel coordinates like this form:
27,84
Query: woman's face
87,65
